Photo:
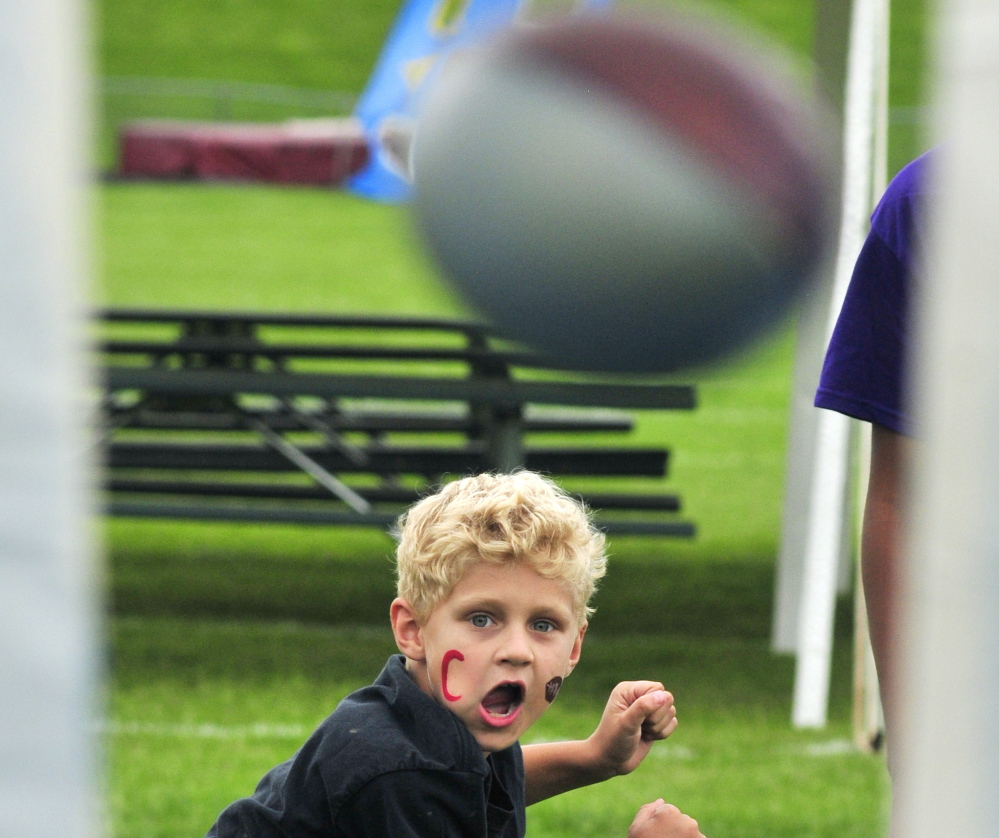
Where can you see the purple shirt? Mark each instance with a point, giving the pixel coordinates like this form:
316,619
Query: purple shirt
864,366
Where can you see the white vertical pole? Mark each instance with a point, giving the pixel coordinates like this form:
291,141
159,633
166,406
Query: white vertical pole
815,624
868,715
48,645
830,44
947,763
830,474
811,340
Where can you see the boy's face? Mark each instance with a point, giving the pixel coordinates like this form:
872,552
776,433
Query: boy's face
496,650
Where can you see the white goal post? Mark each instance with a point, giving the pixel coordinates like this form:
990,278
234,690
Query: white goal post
818,514
947,762
49,642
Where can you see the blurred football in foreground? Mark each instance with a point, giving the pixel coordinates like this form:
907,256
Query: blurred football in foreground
625,194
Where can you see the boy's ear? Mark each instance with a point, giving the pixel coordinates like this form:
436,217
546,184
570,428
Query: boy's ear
407,630
577,648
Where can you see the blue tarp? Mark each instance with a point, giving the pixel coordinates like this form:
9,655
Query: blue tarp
424,34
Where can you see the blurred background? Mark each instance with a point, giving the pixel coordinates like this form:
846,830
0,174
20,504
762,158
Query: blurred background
230,642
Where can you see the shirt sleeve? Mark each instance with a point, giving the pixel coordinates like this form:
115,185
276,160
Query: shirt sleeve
287,802
415,804
862,375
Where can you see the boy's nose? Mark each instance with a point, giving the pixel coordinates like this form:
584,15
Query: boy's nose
515,648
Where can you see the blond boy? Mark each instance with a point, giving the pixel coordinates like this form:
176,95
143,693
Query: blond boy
495,574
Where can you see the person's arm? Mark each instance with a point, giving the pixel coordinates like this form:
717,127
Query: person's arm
879,552
637,714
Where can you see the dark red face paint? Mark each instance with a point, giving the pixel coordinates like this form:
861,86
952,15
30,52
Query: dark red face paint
552,688
452,655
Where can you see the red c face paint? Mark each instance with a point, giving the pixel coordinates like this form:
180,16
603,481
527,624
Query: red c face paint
449,656
552,688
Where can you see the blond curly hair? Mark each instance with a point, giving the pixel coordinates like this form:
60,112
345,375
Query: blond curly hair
497,518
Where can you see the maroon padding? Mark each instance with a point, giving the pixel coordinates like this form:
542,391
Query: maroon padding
313,152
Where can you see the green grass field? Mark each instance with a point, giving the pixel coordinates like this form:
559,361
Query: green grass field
230,642
227,644
322,45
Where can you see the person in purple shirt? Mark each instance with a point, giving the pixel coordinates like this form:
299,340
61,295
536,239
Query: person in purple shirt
863,371
863,376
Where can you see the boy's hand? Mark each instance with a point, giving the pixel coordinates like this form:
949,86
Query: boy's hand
637,714
663,820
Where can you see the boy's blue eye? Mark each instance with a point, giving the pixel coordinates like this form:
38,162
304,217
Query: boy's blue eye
480,620
544,625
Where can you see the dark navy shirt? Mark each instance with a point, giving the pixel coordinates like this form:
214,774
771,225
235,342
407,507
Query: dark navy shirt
864,367
390,762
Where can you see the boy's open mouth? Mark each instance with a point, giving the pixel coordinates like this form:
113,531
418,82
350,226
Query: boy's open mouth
502,704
